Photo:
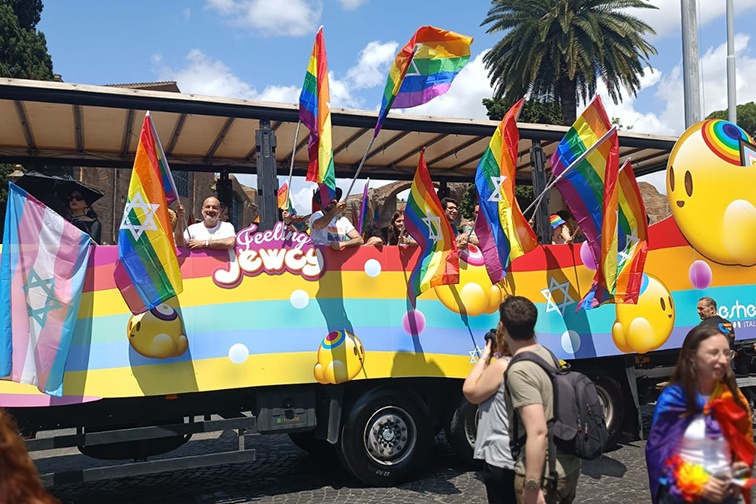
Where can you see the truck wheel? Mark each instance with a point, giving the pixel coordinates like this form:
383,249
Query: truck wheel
306,441
385,437
462,429
613,402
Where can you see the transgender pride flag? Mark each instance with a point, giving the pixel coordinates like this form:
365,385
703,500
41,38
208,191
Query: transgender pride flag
44,261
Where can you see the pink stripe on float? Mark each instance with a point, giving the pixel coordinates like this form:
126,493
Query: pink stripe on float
41,400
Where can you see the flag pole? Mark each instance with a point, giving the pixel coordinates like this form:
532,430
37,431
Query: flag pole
359,168
291,165
580,159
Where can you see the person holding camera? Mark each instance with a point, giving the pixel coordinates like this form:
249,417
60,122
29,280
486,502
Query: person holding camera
484,386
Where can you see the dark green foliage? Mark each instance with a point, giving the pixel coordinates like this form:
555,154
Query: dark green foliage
560,48
746,116
533,111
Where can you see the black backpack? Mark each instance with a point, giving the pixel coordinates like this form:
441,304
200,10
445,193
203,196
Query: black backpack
578,427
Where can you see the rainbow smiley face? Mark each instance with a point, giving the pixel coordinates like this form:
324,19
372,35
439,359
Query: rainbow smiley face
158,333
340,358
475,294
647,325
711,195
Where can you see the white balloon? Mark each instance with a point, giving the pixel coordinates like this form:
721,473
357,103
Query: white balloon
238,353
299,299
372,268
571,341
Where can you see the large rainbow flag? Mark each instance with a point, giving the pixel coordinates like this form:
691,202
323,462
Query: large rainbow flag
423,69
632,255
148,271
42,273
504,234
605,280
426,222
315,114
582,184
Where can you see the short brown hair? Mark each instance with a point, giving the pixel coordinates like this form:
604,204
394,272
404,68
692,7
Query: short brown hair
518,315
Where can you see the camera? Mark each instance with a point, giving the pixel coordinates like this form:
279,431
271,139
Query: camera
491,335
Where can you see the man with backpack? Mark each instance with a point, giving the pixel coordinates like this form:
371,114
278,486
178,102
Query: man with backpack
530,403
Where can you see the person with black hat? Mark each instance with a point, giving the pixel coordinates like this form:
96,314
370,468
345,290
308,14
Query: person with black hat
328,227
81,215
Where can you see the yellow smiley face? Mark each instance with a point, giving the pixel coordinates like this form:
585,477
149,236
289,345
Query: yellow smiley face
711,195
157,333
647,325
474,294
341,357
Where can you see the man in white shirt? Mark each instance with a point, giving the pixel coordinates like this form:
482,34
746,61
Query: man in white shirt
329,227
210,233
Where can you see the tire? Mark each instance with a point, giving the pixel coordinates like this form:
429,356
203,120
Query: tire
386,436
613,402
134,450
462,429
308,442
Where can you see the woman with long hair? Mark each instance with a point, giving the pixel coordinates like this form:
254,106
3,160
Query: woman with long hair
397,233
19,481
484,386
701,439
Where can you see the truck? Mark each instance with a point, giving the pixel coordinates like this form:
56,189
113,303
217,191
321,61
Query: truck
280,336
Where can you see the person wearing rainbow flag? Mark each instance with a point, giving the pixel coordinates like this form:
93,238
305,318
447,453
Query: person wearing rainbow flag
700,446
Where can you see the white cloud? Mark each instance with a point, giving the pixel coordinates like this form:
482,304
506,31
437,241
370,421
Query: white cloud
282,17
187,13
464,98
351,4
373,64
667,19
205,76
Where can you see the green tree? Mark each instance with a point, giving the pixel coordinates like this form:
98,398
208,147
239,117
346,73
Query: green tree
559,49
23,55
533,110
746,116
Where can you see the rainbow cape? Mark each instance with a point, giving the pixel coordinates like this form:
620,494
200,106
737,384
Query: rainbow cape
42,273
582,186
426,222
423,69
164,170
504,234
315,114
147,272
605,279
671,419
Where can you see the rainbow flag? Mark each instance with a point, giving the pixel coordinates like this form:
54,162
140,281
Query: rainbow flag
426,222
147,272
582,184
605,280
423,69
164,170
42,273
315,114
284,201
363,207
632,256
505,235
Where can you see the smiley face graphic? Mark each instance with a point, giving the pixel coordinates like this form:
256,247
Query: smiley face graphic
711,195
158,333
340,358
475,294
645,326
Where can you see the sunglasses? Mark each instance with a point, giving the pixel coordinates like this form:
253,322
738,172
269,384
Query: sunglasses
76,197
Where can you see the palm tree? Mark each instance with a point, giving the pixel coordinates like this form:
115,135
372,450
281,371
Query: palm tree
556,49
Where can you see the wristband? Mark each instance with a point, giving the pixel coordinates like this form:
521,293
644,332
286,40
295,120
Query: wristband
207,243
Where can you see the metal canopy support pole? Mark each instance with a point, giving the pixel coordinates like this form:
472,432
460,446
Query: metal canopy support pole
691,80
541,212
267,181
732,114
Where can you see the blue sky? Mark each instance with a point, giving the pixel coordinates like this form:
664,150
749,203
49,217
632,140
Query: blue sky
258,49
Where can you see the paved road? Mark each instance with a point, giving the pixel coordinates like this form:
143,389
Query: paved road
284,474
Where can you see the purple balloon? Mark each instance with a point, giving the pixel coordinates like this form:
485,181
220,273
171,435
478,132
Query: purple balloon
413,322
587,257
700,274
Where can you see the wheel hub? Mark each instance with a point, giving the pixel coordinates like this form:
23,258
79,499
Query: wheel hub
389,436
